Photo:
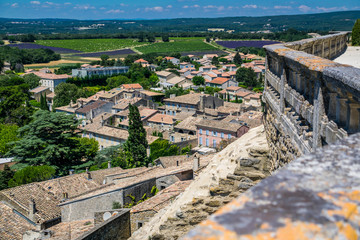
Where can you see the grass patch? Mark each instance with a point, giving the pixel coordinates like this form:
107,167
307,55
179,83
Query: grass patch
90,45
177,46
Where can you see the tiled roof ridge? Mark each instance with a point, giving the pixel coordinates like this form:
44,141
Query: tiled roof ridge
91,190
140,173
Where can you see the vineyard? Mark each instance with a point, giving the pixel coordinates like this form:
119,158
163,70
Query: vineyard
90,45
177,46
37,46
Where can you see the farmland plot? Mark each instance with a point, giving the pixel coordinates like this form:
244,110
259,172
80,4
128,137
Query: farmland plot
90,45
235,44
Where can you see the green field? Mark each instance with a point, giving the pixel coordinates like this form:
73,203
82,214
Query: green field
90,45
177,46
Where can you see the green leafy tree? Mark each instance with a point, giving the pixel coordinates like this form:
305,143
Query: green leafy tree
13,109
215,61
89,147
228,97
116,81
247,77
165,37
32,174
65,93
355,35
5,177
161,148
104,59
198,80
208,39
49,139
8,133
237,59
136,144
32,80
1,64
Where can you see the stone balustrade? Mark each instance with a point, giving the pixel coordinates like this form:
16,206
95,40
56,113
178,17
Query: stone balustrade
310,100
316,196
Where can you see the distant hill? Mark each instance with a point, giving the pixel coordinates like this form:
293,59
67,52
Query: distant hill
339,21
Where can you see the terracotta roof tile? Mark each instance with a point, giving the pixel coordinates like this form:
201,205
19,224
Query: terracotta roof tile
219,80
161,118
132,86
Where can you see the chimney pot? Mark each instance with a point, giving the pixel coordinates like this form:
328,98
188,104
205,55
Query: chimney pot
109,164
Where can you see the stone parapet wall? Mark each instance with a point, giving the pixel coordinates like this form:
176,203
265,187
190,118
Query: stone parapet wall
310,101
316,196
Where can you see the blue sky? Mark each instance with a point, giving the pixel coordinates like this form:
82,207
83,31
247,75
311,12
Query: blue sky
157,9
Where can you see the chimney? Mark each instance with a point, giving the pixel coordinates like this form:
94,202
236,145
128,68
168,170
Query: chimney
32,210
102,120
88,174
177,163
109,164
71,171
65,195
196,163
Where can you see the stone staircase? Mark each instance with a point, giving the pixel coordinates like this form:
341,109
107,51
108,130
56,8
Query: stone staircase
249,172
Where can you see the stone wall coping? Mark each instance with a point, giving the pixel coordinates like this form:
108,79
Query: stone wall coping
308,40
315,196
345,74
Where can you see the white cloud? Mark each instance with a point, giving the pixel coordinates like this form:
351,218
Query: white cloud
102,8
169,6
196,6
113,11
304,8
67,3
14,5
154,9
282,7
324,9
250,6
35,2
186,6
84,7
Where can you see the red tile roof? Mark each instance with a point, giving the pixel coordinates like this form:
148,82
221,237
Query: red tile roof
132,86
141,61
161,118
219,80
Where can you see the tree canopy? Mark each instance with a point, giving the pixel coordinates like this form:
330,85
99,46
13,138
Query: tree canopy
247,77
355,35
31,174
49,139
8,133
65,93
198,80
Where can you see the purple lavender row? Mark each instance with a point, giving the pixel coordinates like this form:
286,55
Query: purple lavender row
37,46
110,53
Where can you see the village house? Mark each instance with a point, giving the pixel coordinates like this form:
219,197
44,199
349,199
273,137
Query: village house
101,71
50,100
92,109
164,76
39,91
161,122
179,81
253,99
185,71
209,76
143,62
145,114
185,131
151,96
192,102
222,83
211,132
229,67
173,60
207,68
193,57
103,131
209,56
123,104
49,79
186,65
232,92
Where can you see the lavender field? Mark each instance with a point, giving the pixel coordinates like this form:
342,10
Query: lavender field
235,44
37,46
109,53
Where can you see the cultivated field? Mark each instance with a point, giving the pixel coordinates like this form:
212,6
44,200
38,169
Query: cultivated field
177,46
90,45
242,43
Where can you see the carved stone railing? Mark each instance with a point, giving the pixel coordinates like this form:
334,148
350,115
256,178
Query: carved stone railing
310,101
316,196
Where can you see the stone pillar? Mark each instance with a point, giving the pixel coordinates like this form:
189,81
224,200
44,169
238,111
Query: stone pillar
282,89
353,117
341,111
332,106
318,113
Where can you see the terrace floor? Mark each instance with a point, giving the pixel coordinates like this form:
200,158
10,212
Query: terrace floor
350,57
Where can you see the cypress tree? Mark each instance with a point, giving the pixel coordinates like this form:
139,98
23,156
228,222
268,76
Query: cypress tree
43,104
236,99
136,144
355,35
228,97
237,59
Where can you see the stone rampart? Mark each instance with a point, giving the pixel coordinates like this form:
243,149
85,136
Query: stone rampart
310,100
